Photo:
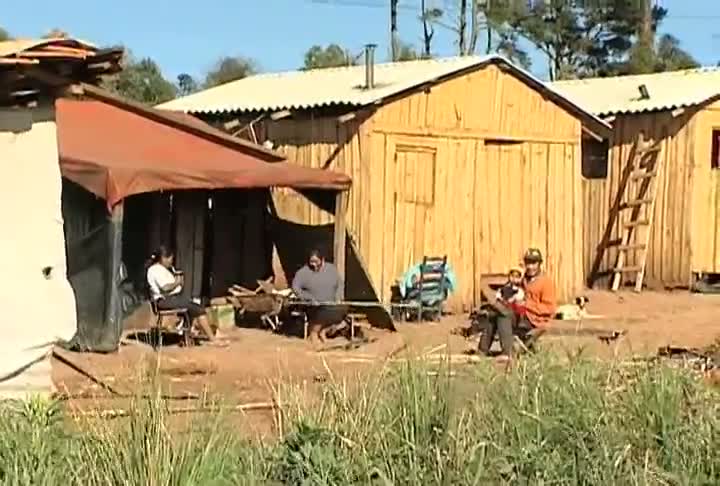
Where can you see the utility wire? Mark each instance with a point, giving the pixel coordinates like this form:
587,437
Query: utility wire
415,7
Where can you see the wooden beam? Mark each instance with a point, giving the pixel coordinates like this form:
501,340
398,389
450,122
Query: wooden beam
340,233
592,134
462,133
346,117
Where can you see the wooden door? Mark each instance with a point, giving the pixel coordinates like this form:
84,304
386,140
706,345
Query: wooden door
414,197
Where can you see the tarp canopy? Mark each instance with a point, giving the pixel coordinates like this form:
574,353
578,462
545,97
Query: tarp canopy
115,149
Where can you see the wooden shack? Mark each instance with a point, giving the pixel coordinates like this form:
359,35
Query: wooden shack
468,157
681,111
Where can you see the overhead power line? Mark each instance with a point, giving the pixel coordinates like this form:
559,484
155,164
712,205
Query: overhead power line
415,7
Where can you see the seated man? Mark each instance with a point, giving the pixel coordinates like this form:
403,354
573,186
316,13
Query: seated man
539,308
319,282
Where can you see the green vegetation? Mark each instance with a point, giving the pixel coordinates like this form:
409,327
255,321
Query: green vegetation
544,423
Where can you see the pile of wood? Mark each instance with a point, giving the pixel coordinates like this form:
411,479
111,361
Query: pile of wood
265,301
32,67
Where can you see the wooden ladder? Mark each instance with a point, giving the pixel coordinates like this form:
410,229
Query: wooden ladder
643,166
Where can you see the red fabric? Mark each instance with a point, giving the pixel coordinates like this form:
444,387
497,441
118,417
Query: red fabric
518,309
115,153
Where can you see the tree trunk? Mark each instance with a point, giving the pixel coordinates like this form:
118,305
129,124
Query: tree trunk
394,41
488,28
427,32
462,29
474,27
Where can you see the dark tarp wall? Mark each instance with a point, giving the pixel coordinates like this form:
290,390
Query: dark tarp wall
190,209
227,242
241,241
87,233
142,227
294,241
86,239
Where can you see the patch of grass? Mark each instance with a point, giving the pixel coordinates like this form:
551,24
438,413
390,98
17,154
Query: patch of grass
543,423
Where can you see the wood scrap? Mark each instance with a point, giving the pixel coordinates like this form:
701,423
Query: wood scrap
59,48
435,349
50,55
16,60
119,412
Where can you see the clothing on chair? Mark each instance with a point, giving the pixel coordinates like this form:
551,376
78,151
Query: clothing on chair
412,275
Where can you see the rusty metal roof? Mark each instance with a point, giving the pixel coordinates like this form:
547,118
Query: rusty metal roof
621,94
115,149
343,86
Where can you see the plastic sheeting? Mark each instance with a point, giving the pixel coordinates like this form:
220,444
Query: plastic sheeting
37,300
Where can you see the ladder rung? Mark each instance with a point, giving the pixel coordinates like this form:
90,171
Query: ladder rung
628,269
649,149
610,243
634,246
641,174
633,224
636,202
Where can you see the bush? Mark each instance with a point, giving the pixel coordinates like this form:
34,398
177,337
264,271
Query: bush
544,423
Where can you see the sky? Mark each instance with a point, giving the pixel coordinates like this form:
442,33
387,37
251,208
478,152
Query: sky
276,33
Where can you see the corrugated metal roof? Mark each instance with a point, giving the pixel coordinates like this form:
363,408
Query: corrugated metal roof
344,86
319,87
621,94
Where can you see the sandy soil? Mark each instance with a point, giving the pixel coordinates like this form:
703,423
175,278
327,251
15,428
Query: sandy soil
257,361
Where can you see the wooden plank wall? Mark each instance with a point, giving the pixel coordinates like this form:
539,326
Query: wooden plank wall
706,192
491,201
669,257
325,143
479,167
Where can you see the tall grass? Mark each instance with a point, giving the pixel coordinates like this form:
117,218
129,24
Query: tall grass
585,423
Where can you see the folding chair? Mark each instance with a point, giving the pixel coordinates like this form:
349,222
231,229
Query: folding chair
183,327
431,291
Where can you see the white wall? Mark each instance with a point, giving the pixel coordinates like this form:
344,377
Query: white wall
34,310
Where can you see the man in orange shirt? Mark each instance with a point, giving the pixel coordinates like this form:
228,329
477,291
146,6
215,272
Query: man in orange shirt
540,306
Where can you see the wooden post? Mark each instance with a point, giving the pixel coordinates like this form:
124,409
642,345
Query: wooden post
113,310
341,200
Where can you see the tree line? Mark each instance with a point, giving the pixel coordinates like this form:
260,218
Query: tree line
578,38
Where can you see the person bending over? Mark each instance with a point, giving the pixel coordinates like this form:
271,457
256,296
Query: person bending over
166,284
318,281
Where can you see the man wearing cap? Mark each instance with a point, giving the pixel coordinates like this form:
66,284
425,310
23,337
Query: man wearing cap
540,306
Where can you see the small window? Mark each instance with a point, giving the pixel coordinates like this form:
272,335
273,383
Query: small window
416,170
594,159
715,154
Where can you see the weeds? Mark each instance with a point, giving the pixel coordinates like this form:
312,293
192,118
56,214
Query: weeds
585,423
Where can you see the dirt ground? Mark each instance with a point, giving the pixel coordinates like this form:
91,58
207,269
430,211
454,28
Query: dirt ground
250,369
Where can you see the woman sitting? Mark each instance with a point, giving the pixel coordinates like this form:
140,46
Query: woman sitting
165,290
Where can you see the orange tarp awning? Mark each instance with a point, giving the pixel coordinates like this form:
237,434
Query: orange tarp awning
115,152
